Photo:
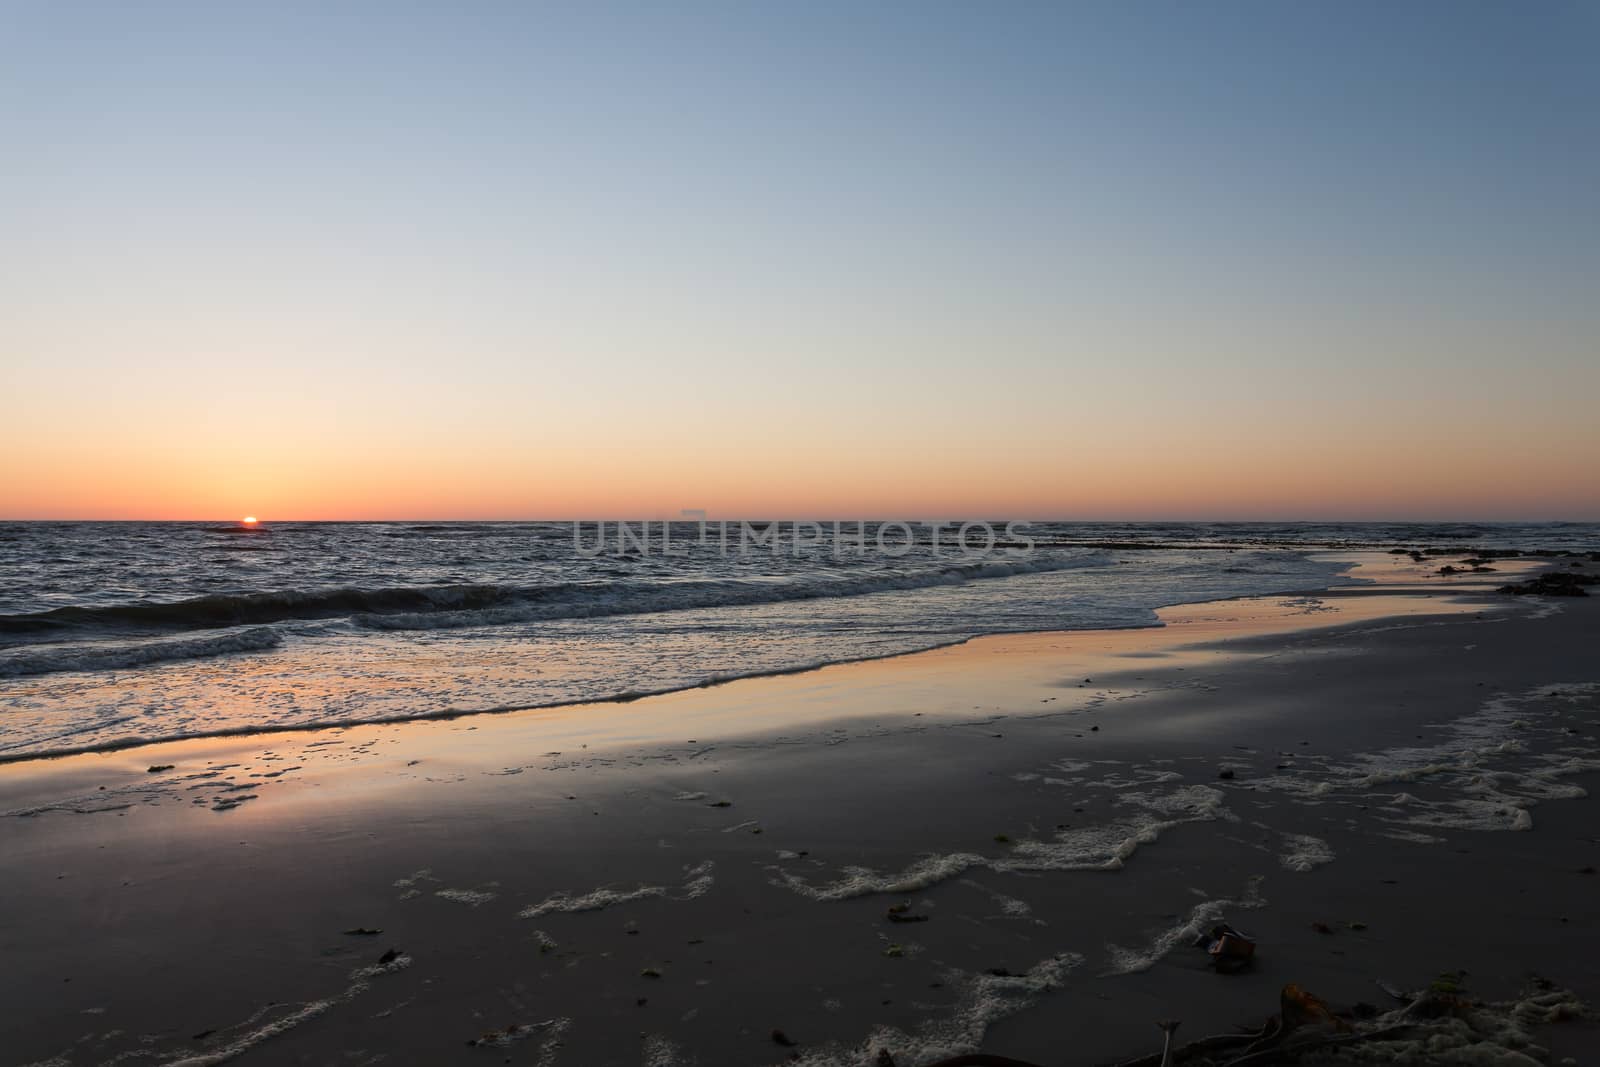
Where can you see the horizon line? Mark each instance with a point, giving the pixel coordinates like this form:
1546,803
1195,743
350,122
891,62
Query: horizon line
827,520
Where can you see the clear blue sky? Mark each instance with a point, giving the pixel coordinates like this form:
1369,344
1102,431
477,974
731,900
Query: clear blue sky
1184,259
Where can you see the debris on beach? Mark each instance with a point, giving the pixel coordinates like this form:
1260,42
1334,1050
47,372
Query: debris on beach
901,913
362,931
1429,1027
1229,949
1168,1027
1553,583
499,1038
1300,1007
553,1029
781,1038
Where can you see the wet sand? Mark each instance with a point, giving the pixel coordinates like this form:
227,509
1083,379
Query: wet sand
1004,845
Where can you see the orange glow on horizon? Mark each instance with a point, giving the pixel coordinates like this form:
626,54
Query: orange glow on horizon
1041,469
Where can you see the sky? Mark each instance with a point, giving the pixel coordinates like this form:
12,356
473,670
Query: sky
519,260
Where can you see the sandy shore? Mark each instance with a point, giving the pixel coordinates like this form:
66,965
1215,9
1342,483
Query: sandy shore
672,880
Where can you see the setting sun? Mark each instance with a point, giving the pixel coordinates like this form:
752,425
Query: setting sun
249,520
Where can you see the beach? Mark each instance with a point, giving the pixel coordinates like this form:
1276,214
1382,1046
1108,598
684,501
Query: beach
751,535
1007,845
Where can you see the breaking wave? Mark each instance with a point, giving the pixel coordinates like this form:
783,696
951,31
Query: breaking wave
115,657
449,606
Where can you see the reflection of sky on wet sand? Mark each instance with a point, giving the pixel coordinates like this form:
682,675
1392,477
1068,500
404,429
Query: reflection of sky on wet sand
1073,674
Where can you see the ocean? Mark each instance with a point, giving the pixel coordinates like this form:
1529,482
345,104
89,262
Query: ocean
115,633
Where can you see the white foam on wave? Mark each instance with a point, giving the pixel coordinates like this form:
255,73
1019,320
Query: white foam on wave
373,678
582,601
697,881
109,656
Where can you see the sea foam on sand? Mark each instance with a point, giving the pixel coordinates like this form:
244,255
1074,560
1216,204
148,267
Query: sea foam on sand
1303,852
1106,847
1488,770
697,880
981,1000
1132,961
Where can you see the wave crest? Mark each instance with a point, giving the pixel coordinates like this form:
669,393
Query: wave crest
448,606
113,657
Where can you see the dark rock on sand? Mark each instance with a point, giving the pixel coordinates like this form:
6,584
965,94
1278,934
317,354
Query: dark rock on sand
1553,583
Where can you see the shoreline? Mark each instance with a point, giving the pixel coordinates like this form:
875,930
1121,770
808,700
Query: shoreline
1050,808
1466,585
